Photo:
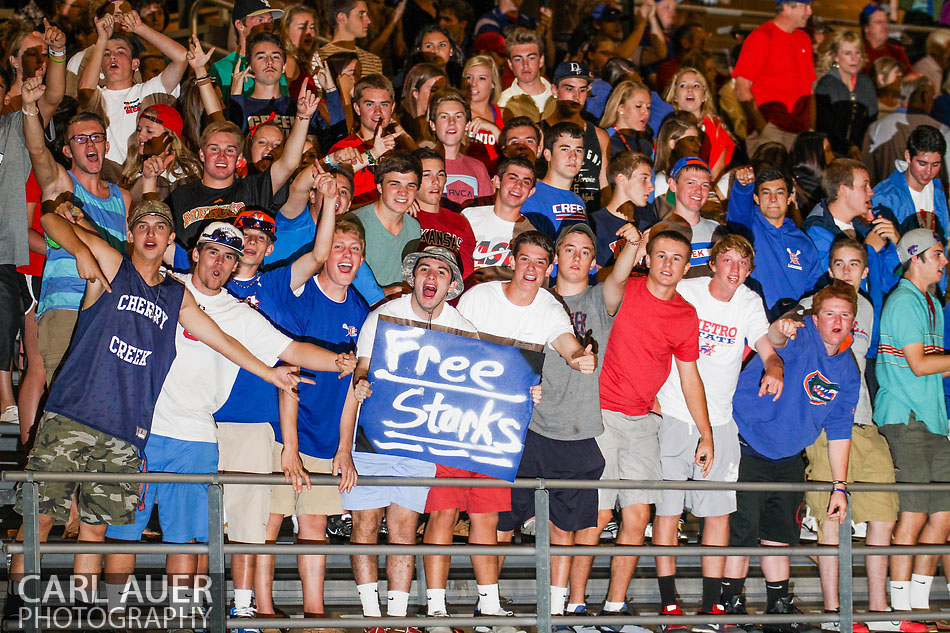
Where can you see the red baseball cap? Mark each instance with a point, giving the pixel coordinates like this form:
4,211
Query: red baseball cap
490,41
164,115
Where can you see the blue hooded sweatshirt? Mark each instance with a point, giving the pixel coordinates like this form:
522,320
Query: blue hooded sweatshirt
892,195
820,392
787,265
821,228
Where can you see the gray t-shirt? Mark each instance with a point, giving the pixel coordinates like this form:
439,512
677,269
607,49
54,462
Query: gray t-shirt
15,168
570,402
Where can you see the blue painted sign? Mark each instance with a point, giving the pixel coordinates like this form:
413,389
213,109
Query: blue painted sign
449,399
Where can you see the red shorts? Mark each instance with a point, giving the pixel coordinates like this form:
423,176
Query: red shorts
471,500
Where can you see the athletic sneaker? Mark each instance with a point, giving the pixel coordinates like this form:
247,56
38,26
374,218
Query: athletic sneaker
897,626
244,613
610,531
736,606
620,628
784,606
835,627
496,629
439,629
10,415
717,609
340,525
527,528
672,609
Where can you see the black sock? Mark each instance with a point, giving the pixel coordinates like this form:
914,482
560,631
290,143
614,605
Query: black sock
712,593
776,590
667,589
732,587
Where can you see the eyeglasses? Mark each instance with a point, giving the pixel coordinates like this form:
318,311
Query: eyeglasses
82,139
254,222
221,236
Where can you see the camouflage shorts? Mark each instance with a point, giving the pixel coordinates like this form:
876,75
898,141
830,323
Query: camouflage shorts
64,445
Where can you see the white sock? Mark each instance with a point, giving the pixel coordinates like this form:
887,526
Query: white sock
558,599
488,600
613,606
369,598
435,601
900,595
115,596
398,603
574,606
242,598
920,591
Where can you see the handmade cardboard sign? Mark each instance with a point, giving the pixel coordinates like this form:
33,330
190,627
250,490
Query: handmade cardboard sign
448,399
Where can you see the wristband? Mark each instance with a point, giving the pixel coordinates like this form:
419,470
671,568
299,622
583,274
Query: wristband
57,60
834,490
55,53
330,163
838,481
303,118
370,158
28,113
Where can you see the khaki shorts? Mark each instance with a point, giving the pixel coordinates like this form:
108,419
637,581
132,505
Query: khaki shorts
320,500
631,449
55,331
869,462
64,445
920,457
246,448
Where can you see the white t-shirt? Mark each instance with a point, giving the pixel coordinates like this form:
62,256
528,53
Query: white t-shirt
540,323
200,379
923,199
492,237
122,110
724,329
401,308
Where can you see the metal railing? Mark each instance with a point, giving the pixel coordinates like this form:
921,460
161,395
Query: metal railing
542,550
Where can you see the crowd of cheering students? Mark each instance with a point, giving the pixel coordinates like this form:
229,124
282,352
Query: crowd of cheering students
732,277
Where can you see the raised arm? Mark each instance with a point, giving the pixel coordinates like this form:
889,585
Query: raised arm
203,327
289,159
198,59
55,71
168,47
96,261
616,281
89,80
309,264
50,175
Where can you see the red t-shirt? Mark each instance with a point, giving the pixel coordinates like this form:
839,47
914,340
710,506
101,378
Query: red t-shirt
717,143
646,335
894,51
467,179
451,230
781,70
364,181
34,194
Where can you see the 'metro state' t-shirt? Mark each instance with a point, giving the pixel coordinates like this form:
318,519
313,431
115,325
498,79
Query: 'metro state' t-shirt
193,204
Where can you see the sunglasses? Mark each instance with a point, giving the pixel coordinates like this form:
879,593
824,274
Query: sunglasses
220,236
82,139
253,222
